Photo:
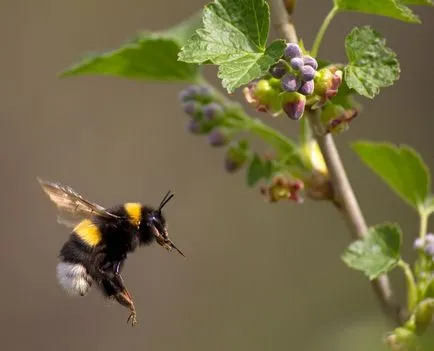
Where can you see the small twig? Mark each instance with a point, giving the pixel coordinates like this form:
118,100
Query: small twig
344,194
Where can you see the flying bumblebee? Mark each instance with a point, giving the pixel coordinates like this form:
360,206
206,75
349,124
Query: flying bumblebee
101,239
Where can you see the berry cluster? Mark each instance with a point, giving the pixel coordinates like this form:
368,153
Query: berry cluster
207,117
206,114
296,71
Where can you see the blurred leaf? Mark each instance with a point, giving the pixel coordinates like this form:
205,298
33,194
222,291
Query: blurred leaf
149,56
234,37
418,2
402,168
372,65
184,30
377,253
389,8
258,169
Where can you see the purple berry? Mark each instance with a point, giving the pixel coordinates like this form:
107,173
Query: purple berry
290,82
217,138
310,61
307,88
278,70
194,126
307,73
297,63
212,111
292,50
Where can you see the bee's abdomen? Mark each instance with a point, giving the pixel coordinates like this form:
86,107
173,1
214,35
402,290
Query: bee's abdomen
72,273
73,278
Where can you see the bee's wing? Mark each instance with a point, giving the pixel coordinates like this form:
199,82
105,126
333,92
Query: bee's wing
72,207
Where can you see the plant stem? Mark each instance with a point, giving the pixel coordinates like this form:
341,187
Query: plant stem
344,194
411,285
322,30
424,215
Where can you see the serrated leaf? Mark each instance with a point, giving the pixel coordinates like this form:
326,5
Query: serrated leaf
377,253
389,8
257,170
149,56
402,168
418,2
234,37
372,65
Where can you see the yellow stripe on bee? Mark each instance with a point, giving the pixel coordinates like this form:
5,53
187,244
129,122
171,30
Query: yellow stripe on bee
134,212
88,232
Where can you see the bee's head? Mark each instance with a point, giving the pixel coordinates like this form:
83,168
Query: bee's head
154,224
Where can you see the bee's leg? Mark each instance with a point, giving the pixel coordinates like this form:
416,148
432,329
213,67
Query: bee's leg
124,298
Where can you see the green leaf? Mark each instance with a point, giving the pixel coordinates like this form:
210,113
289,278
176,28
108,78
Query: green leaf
389,8
377,253
402,168
372,65
345,97
258,169
418,2
234,38
148,56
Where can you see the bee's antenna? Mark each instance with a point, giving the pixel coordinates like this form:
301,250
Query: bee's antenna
165,200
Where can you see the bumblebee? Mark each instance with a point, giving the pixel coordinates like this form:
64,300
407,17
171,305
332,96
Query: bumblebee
101,240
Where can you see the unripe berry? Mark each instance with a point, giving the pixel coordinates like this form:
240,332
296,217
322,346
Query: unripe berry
290,82
292,50
263,96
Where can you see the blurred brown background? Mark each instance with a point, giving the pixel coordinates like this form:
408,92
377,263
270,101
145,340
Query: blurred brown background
258,276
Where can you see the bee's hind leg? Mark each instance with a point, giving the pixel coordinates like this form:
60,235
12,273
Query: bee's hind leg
116,289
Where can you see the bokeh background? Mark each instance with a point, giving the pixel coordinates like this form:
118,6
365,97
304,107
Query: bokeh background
258,276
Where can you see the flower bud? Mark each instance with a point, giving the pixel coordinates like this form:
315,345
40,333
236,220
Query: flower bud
423,315
192,108
307,73
418,244
336,118
263,96
307,88
297,63
290,82
212,111
283,188
292,50
278,70
217,137
293,104
327,82
310,61
236,156
194,126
